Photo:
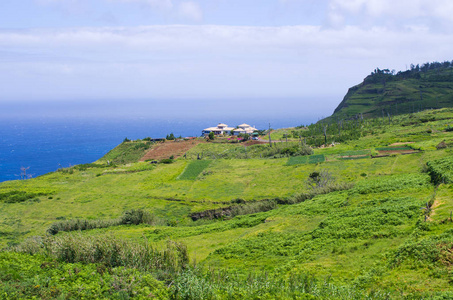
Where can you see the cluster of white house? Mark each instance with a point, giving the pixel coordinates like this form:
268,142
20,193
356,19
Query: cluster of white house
224,129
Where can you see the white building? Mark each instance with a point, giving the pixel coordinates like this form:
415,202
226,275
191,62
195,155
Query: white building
245,129
220,129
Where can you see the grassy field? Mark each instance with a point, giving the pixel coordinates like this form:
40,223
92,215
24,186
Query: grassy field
373,228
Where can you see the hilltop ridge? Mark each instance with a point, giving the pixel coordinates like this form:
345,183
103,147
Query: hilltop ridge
386,92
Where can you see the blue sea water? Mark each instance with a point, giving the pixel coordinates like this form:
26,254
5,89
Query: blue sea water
45,143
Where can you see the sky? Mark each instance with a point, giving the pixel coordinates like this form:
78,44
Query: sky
196,51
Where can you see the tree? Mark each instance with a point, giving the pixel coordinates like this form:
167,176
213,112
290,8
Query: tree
324,131
211,135
171,136
320,179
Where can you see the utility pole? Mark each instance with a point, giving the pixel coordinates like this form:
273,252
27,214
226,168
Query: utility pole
270,141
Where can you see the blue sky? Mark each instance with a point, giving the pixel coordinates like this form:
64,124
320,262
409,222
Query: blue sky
122,50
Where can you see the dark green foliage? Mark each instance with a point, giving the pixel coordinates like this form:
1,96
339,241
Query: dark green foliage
129,217
135,217
166,161
211,135
170,137
84,167
296,150
394,148
18,196
246,208
441,170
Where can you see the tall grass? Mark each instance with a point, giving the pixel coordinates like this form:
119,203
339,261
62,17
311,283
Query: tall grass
129,217
109,251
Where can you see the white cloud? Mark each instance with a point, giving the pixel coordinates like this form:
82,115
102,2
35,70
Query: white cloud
190,10
160,4
205,61
400,9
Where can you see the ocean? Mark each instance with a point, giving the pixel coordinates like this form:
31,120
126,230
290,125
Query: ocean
45,142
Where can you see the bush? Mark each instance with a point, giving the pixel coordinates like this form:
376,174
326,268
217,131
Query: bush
441,170
35,277
129,217
166,161
18,196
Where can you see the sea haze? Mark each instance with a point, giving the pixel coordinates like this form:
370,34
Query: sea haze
48,136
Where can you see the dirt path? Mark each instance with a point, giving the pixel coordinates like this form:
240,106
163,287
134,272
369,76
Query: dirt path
169,148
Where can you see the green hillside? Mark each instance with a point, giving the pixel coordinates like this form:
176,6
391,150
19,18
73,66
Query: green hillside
368,218
385,92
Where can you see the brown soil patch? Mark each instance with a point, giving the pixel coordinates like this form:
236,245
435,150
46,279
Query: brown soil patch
401,143
433,209
354,156
388,152
169,148
254,142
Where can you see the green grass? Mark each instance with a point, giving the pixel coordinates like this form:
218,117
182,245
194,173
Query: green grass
297,160
355,153
314,159
311,159
370,237
194,169
127,152
354,157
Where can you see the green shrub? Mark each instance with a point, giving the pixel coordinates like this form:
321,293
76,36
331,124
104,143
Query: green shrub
166,161
441,170
19,196
129,217
425,252
23,276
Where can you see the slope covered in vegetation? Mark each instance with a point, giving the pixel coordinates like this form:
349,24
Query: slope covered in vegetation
364,219
386,92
